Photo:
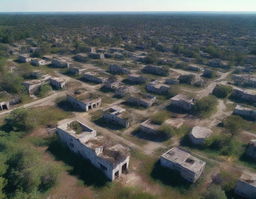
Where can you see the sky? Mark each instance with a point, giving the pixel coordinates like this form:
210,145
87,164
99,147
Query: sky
125,5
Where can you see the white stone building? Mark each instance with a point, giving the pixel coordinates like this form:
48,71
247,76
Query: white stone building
189,167
111,159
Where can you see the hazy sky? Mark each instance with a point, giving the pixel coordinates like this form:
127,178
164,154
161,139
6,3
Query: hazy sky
126,5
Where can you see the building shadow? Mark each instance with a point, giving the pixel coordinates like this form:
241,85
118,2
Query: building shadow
79,167
169,177
150,137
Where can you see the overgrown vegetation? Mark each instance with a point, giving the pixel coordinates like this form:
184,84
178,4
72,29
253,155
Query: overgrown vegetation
205,106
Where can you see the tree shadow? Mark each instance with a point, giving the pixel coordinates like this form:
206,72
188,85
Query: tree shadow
169,177
81,168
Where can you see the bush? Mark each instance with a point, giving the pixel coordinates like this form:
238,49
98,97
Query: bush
205,106
44,90
215,192
234,124
167,130
20,120
222,91
187,79
160,117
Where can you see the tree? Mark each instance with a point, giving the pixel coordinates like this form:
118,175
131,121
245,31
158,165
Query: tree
19,120
234,124
205,106
222,91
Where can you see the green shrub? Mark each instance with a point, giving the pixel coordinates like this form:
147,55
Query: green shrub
215,192
205,106
160,117
44,90
222,91
234,124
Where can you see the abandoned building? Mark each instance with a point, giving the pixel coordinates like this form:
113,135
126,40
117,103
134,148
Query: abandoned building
182,102
84,101
116,115
198,135
143,100
246,186
24,59
32,86
251,149
111,159
122,91
157,88
136,79
244,80
117,70
58,63
245,112
81,58
149,127
112,84
96,55
155,70
93,77
189,167
75,70
38,62
245,96
57,83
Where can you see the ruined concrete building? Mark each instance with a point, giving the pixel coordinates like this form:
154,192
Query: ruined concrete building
198,135
38,62
143,100
245,112
155,70
83,101
251,149
122,91
246,186
33,86
57,83
93,77
4,105
96,55
116,115
117,70
157,88
189,167
81,58
24,58
111,159
58,63
149,127
182,102
136,79
244,80
245,96
75,70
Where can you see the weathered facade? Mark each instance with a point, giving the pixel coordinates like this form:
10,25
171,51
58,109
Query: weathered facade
57,83
244,80
84,102
93,77
4,105
183,102
149,127
251,149
142,100
155,70
244,96
60,63
245,112
246,186
117,70
111,159
24,59
189,167
157,88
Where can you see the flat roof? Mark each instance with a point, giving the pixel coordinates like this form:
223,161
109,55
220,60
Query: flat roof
184,159
201,132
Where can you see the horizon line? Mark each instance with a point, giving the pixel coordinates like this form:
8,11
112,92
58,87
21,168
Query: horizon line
120,12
